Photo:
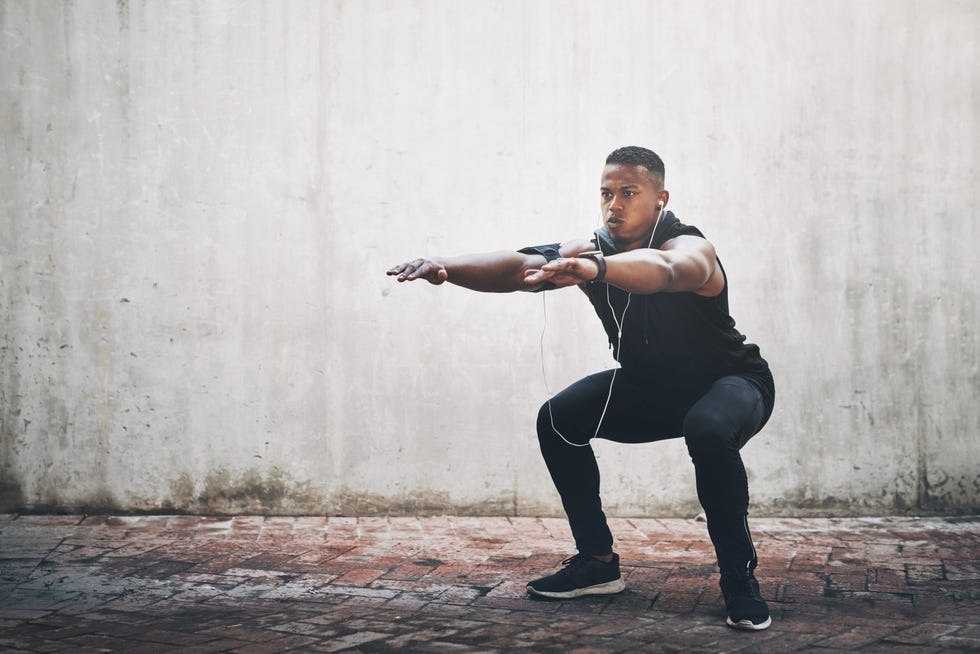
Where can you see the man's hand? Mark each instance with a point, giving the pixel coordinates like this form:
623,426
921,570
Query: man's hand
563,272
427,269
503,271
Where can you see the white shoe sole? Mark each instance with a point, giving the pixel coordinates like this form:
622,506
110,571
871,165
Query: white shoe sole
748,625
608,588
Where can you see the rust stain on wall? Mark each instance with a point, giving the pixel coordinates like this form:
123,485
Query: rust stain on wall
224,492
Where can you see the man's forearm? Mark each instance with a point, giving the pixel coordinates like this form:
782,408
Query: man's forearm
653,271
490,272
639,271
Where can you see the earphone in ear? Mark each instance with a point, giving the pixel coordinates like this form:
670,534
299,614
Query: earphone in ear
660,205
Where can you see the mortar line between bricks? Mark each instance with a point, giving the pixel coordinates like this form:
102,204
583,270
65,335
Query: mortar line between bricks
671,596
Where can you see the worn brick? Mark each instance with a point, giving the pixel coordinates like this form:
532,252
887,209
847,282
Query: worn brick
275,646
921,634
856,637
350,641
253,584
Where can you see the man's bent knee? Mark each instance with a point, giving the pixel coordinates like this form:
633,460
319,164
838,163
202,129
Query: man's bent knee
549,433
709,434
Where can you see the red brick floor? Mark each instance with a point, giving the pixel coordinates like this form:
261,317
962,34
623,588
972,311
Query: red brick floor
452,584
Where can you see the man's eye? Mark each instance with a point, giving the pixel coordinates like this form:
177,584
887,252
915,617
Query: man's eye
629,194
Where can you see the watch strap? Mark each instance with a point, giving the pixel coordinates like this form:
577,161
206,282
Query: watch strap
596,255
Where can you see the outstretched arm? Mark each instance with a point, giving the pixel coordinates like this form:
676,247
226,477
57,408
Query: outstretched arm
492,272
684,263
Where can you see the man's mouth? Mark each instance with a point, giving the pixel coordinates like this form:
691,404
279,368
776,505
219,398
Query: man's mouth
613,221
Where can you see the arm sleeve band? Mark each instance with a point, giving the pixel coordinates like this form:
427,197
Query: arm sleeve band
549,252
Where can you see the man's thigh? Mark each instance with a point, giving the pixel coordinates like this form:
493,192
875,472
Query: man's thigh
733,405
631,411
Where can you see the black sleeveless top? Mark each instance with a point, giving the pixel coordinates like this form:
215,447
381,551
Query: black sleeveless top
680,341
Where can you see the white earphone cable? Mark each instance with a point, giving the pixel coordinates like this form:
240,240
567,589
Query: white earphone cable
619,341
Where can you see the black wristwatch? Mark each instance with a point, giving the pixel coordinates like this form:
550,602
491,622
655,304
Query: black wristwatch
596,255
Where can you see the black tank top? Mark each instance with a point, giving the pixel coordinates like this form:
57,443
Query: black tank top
681,342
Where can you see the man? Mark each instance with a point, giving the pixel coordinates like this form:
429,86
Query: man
662,296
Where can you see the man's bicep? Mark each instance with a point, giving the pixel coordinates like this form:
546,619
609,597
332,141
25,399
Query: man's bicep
693,248
694,264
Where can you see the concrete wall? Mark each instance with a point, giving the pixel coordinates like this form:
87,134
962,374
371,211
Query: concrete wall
199,201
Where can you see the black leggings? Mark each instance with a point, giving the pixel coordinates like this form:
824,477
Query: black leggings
714,426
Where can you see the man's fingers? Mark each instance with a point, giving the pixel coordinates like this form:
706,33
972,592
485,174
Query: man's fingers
430,271
404,268
559,267
422,269
582,270
406,271
536,276
562,275
566,264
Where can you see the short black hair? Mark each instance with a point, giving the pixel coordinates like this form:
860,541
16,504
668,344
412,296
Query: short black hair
634,155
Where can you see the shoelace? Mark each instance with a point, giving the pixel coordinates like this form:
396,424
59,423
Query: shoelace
576,560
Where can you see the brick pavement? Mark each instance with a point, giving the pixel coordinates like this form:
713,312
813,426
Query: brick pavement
453,584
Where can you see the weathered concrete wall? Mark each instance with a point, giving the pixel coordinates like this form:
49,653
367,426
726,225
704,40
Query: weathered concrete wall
199,201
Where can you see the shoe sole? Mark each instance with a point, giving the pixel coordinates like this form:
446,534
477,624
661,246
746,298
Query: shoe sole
608,588
748,625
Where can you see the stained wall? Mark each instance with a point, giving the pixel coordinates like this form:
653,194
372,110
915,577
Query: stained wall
198,202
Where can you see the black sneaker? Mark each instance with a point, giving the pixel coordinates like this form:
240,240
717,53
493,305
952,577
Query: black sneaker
583,574
746,608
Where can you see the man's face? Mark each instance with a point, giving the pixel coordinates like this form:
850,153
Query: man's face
630,195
